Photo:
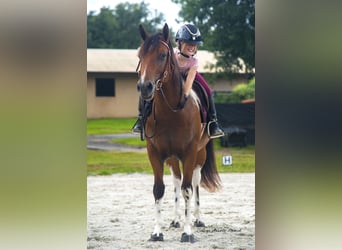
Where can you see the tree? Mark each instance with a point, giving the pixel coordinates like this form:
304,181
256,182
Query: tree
118,28
228,29
239,93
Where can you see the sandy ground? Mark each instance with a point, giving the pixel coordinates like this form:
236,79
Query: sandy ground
121,214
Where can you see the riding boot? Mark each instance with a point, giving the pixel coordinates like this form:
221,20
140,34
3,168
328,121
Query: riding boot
214,130
137,127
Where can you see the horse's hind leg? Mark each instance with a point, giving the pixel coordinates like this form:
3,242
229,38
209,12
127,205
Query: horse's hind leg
173,163
196,178
187,192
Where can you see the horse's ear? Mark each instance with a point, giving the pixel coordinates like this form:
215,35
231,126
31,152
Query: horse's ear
166,32
142,32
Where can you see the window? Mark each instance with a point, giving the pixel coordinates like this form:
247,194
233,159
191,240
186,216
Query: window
105,87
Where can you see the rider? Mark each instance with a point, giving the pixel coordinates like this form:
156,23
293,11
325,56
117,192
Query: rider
188,37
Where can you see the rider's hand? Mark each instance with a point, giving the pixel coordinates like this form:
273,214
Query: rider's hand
181,104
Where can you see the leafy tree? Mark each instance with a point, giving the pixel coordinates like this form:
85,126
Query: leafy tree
239,93
118,28
245,91
228,29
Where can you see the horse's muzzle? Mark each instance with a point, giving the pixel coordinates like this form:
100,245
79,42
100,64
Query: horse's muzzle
146,90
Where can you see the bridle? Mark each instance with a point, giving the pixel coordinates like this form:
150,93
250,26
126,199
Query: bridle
159,87
160,80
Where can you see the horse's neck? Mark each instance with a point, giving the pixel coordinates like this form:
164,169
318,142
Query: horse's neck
172,92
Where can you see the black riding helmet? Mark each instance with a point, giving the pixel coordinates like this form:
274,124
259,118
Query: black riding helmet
189,33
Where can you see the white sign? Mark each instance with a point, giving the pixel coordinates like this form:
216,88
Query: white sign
227,160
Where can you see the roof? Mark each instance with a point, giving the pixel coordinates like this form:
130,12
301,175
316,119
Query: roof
248,100
126,60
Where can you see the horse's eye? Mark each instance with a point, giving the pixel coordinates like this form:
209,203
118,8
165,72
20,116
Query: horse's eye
162,56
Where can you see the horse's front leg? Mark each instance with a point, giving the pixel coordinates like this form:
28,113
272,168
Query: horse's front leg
173,163
187,191
158,192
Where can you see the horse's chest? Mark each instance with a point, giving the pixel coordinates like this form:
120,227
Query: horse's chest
170,144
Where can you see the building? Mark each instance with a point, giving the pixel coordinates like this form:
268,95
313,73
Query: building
112,78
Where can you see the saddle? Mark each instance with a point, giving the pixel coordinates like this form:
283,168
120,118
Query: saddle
203,100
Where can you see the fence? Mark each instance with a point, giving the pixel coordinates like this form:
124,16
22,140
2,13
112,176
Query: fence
238,122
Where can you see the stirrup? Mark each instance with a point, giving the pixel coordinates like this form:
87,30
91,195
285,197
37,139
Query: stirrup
220,134
135,128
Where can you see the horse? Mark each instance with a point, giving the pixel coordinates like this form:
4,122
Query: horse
174,133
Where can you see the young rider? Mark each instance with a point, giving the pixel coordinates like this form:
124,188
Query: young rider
188,37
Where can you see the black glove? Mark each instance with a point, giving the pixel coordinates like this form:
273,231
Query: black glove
181,104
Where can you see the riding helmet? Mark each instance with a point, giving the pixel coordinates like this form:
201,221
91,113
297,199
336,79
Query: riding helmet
189,33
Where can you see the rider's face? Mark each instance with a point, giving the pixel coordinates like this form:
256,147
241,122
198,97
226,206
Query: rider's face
189,48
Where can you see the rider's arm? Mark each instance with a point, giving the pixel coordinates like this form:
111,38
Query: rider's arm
190,79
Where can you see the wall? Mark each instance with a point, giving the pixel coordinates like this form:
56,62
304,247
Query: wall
226,84
125,102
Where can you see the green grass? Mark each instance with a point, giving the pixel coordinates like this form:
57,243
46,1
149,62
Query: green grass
111,162
135,142
109,126
243,160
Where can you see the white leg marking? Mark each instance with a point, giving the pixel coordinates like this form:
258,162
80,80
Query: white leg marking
177,185
187,194
157,227
196,178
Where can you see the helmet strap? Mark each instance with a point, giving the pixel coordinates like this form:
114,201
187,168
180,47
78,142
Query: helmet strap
180,50
185,55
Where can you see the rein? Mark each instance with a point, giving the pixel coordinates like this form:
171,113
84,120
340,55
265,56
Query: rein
159,82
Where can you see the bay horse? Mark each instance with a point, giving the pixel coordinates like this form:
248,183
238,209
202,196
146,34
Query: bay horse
173,133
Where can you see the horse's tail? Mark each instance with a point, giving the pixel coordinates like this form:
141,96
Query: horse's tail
210,178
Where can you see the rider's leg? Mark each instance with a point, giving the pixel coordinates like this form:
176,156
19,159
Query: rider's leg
137,128
214,129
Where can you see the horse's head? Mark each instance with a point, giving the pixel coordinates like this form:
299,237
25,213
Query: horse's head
154,54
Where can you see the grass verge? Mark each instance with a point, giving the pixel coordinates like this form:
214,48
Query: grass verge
111,162
109,126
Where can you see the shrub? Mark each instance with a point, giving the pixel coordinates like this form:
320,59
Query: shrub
240,92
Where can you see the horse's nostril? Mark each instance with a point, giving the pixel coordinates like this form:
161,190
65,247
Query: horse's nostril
150,86
138,88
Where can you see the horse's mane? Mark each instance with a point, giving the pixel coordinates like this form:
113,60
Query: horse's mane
151,42
174,65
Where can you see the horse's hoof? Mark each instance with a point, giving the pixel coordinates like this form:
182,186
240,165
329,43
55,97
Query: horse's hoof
187,238
199,223
155,237
175,224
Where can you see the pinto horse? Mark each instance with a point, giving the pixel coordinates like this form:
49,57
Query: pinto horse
173,132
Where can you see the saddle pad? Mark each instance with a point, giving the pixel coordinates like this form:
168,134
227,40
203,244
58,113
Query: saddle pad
204,101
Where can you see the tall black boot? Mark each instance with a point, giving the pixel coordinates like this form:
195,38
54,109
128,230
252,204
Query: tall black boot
137,127
214,130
